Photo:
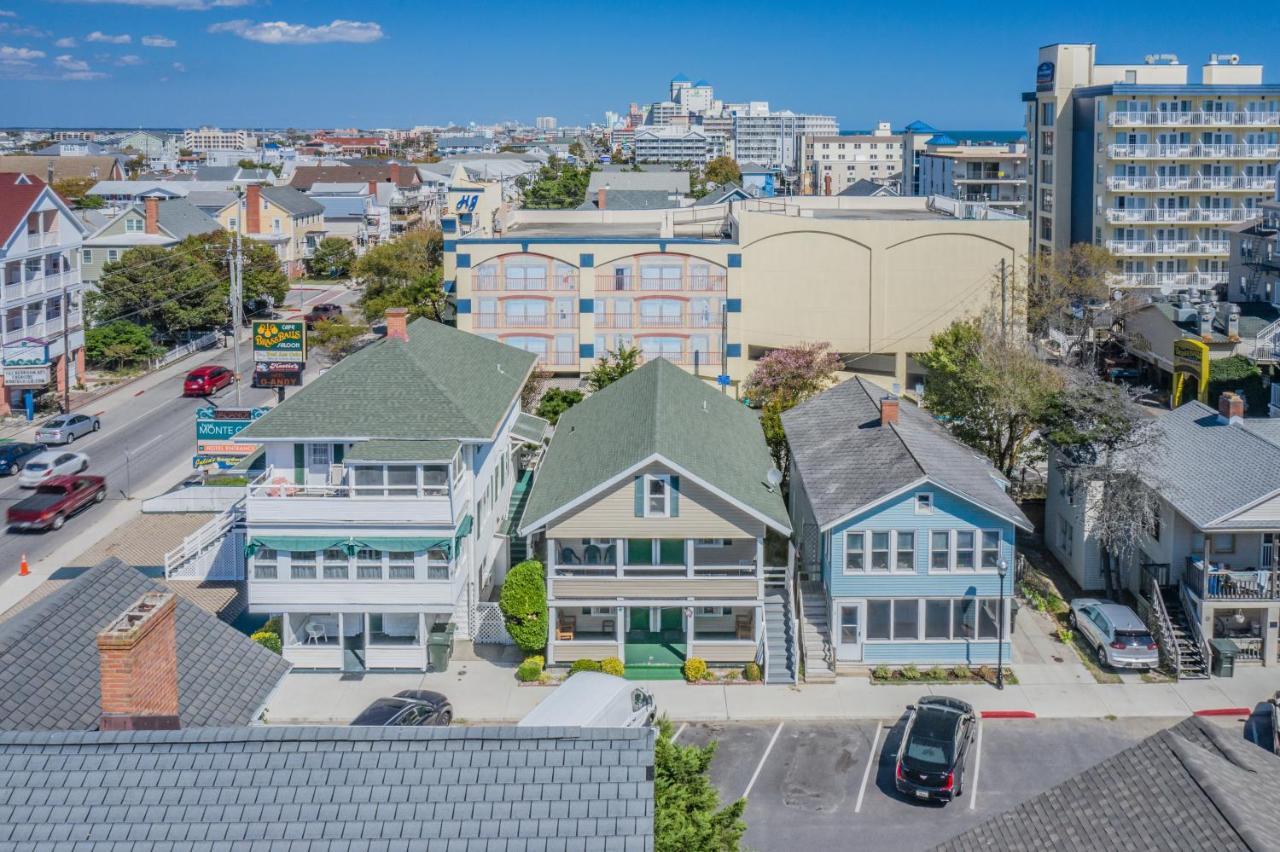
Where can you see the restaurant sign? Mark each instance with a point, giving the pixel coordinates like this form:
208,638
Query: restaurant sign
216,429
280,340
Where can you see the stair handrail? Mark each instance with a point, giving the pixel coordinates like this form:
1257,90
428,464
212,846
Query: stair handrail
199,541
802,657
762,648
1165,626
1185,591
789,587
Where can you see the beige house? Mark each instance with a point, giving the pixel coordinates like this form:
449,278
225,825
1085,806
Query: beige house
281,216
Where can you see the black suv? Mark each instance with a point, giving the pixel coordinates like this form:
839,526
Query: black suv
13,455
935,742
409,707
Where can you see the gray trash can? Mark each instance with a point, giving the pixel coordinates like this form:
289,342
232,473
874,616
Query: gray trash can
440,646
1014,606
1224,657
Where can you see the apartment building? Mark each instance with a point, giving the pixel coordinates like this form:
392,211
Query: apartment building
776,139
831,163
283,218
1140,160
1254,264
216,139
42,294
153,222
675,144
992,174
545,122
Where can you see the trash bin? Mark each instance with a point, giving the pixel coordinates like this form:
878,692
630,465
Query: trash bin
440,646
1224,657
1013,614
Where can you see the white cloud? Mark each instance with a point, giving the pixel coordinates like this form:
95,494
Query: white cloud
18,55
23,31
158,41
83,75
65,42
129,59
5,13
179,67
184,5
108,39
280,32
69,63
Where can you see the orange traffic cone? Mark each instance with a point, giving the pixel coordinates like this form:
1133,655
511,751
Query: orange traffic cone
23,570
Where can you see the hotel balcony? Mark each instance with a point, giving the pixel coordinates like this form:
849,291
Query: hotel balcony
1145,183
275,497
639,319
1117,215
1193,119
547,320
1194,151
1169,281
50,284
1012,179
625,281
1167,247
563,282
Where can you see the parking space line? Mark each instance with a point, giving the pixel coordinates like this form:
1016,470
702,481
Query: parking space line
977,768
679,731
873,759
763,758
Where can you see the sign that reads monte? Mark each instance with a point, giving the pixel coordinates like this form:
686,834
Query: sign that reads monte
216,429
280,340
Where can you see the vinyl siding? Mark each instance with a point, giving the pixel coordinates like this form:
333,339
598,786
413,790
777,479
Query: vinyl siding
701,515
665,587
1264,513
939,653
567,652
725,652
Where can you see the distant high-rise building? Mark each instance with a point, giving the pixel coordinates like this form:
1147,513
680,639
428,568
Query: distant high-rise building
545,122
214,139
830,162
775,140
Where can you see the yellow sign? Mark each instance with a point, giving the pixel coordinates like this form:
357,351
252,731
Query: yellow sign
1190,360
280,340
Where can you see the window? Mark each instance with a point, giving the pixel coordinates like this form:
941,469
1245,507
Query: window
988,618
639,551
657,498
133,226
320,454
940,550
437,564
86,256
964,550
990,549
302,564
905,551
400,565
854,556
964,618
879,621
1046,114
906,619
368,565
335,565
264,564
937,619
1221,543
880,551
924,503
671,551
113,255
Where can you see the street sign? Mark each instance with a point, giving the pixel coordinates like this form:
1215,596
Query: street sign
280,340
722,380
277,374
22,375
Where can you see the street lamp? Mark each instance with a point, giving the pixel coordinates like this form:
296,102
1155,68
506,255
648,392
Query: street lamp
1002,569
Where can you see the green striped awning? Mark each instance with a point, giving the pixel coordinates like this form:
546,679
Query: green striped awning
348,543
399,544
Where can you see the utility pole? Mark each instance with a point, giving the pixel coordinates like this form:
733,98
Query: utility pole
66,352
236,256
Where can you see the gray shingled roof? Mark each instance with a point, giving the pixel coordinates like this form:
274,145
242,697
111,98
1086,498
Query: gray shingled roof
478,789
658,410
846,459
651,178
442,383
633,199
49,658
1194,786
295,202
183,219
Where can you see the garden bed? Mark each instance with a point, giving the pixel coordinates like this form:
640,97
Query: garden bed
939,674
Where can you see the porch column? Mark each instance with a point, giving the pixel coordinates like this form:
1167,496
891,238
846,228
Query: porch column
620,631
551,557
688,557
618,556
551,635
688,633
760,567
1270,638
1206,612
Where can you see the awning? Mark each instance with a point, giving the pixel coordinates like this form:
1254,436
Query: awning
399,544
295,542
530,428
464,528
348,543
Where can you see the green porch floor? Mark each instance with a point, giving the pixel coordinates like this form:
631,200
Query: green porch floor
654,653
656,672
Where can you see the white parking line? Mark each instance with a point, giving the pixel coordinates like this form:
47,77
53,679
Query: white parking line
679,731
763,758
873,759
977,767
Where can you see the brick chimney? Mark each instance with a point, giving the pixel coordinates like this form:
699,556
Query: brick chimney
152,206
1230,408
395,173
888,411
253,209
826,184
373,188
397,324
600,198
138,664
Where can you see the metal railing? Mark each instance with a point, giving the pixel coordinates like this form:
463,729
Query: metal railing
1168,280
1161,625
1191,118
1174,183
201,540
702,283
1179,214
1127,247
280,482
557,358
1191,609
639,319
567,282
1195,150
569,319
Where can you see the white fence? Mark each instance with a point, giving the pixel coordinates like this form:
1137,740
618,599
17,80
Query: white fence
204,341
490,629
213,552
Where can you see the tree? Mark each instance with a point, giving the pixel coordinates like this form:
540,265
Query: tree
405,272
91,202
263,277
557,401
170,290
523,602
119,345
333,258
1070,292
722,170
1107,444
558,186
74,190
533,388
687,813
1239,375
783,379
577,151
613,366
337,336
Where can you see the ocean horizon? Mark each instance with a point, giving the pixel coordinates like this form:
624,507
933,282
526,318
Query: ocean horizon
999,137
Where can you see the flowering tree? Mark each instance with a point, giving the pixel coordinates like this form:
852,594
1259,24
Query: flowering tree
783,379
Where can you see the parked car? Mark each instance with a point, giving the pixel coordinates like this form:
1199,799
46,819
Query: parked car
56,500
319,313
16,454
935,742
1274,701
1115,633
65,428
49,464
206,380
408,708
594,700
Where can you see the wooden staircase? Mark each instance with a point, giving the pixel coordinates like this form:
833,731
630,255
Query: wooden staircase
1190,654
517,547
815,632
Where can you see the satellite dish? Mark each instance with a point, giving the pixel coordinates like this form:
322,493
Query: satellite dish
774,477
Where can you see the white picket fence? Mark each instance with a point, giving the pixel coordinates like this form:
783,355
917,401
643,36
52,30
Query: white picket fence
490,628
204,341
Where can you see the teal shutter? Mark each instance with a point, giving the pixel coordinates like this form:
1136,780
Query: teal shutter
299,463
639,496
337,453
675,497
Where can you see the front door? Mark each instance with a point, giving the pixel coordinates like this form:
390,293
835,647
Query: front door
849,629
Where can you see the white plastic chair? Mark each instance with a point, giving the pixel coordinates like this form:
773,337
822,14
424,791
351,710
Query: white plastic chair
316,632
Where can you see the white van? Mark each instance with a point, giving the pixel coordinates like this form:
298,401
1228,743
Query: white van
594,700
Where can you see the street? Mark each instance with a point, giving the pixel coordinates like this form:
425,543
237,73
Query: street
148,434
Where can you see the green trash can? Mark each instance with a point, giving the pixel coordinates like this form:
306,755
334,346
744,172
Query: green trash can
440,646
1224,657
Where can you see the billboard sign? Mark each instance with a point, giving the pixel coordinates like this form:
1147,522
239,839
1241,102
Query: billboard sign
1190,361
15,376
216,429
277,374
1044,75
280,340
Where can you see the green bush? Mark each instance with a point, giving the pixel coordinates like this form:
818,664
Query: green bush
1242,376
531,669
613,666
523,601
936,673
960,672
1066,635
272,625
909,673
270,641
695,669
751,672
881,673
584,665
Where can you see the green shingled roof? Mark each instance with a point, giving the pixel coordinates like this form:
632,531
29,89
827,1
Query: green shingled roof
659,409
441,383
383,450
530,427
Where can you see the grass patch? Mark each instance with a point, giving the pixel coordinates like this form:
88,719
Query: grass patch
1157,676
1090,661
938,674
226,481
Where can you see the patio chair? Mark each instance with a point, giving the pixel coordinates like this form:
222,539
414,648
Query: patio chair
568,557
316,633
565,627
609,555
591,555
743,626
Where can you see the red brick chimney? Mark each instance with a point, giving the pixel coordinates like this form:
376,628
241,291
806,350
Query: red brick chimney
600,198
826,184
373,188
395,173
152,205
138,664
397,324
888,411
253,209
1230,407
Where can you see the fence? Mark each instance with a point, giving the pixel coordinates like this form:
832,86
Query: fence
490,628
204,341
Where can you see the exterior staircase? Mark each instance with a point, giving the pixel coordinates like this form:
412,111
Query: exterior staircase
518,549
815,630
1192,664
778,625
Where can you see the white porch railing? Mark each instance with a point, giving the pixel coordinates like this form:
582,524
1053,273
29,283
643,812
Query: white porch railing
1131,247
199,344
1174,183
1191,118
1168,281
204,554
1179,214
1194,150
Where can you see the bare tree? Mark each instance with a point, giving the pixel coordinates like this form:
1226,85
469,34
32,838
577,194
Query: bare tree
1070,293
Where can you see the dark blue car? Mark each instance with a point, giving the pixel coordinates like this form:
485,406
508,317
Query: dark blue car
14,454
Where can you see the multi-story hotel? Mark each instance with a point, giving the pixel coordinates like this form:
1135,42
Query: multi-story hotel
214,139
830,163
1138,159
675,144
993,174
776,139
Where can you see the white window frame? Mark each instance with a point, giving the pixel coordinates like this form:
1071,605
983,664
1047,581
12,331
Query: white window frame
955,550
846,550
665,479
950,551
982,549
897,549
924,502
134,226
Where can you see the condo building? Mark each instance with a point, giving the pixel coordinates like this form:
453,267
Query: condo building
675,144
1140,160
214,139
993,174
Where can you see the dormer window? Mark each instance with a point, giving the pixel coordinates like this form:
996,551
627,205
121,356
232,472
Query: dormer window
924,503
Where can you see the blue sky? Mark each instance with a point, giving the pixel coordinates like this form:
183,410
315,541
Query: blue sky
373,64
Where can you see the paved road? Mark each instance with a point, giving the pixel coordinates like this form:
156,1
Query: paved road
145,436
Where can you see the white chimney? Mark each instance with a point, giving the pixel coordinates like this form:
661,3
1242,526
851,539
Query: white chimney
1206,319
1233,322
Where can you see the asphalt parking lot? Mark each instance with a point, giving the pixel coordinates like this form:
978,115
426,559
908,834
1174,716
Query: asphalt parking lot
829,785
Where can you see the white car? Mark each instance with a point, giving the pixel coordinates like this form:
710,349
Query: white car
51,463
1115,633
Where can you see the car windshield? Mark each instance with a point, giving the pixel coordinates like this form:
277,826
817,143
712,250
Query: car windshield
931,743
1133,638
379,713
55,423
37,466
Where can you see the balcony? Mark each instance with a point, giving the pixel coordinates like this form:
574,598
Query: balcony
639,319
1167,247
1169,281
1118,215
710,282
1145,183
1220,584
275,497
1193,119
617,568
1194,151
52,284
565,282
43,239
990,178
548,320
557,358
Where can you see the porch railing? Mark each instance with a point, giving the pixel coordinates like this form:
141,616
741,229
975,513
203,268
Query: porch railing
1191,608
1250,650
1157,618
1231,585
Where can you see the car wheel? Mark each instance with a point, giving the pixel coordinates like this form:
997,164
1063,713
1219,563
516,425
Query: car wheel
71,438
1102,655
445,717
58,521
100,495
1071,620
84,465
96,425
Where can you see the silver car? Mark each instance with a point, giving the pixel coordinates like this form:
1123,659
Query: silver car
1115,633
65,428
50,464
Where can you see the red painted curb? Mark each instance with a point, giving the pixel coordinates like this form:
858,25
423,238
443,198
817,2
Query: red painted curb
1225,711
1007,714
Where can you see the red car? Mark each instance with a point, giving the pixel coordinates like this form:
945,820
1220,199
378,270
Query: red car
55,500
206,380
320,313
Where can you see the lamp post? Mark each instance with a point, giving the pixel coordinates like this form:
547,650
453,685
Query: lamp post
1002,569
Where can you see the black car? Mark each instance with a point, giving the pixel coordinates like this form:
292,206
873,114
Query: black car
408,708
13,455
935,743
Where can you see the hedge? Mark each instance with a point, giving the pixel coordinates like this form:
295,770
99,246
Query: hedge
1242,376
523,601
531,669
270,641
613,666
584,665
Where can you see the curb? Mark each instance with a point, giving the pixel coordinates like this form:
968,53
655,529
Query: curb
1225,711
1007,714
